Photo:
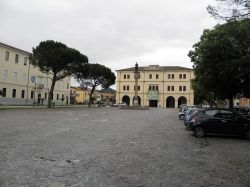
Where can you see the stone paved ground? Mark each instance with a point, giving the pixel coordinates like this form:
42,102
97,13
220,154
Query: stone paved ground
110,147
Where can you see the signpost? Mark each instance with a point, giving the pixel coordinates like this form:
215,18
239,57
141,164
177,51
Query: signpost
33,80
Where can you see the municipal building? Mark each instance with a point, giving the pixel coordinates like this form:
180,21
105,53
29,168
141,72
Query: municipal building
158,86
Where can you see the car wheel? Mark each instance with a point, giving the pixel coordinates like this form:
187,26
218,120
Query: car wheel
181,117
199,132
248,134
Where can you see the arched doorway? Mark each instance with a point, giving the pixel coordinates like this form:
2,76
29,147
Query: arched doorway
182,100
170,102
139,100
126,99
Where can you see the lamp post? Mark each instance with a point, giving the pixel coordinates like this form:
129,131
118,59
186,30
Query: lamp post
33,80
136,76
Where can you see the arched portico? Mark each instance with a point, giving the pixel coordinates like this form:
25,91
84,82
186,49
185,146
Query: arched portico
139,100
182,100
126,100
170,102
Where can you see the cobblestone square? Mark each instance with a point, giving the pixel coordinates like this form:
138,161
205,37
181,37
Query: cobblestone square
111,147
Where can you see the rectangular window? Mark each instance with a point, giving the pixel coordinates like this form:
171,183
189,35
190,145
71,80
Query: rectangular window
128,76
156,88
32,94
138,88
15,76
168,88
5,75
172,88
25,61
7,55
153,87
184,76
139,76
149,88
172,76
124,87
24,77
57,97
23,94
157,76
184,88
14,93
45,96
180,88
127,88
16,58
124,76
150,76
169,76
4,92
180,76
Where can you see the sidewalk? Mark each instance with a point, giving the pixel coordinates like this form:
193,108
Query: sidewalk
40,106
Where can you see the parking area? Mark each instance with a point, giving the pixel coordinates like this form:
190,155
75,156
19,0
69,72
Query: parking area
105,147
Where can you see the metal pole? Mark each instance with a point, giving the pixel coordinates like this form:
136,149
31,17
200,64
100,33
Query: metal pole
34,100
136,85
27,88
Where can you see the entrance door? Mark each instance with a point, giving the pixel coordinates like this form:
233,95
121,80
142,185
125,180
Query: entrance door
39,98
153,103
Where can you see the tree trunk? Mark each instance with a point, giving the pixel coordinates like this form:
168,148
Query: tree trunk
231,102
51,92
90,96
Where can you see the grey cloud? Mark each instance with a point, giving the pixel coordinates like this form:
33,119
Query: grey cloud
115,33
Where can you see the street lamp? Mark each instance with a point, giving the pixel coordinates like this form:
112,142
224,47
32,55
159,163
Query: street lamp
33,80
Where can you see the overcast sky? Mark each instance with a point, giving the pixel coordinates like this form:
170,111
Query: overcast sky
115,33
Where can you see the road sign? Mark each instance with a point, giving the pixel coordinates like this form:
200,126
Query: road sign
33,78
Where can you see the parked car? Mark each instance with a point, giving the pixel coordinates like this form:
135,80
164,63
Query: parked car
244,111
189,114
219,121
120,104
183,109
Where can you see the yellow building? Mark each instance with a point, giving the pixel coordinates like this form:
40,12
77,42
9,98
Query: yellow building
108,96
22,83
79,95
244,102
158,86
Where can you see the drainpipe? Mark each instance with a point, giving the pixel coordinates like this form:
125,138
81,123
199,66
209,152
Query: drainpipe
27,88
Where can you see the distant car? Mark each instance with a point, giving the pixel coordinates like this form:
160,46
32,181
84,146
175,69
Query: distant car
183,109
120,104
219,121
182,105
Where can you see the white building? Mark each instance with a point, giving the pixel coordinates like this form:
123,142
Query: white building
22,83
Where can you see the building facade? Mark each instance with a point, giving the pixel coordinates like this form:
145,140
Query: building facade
108,96
79,95
23,83
158,86
244,102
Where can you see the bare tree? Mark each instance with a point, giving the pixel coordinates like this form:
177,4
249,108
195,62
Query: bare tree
230,9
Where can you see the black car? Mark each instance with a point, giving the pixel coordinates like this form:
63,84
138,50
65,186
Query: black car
219,121
244,111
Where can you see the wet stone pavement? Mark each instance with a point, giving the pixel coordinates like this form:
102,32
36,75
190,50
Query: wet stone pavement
111,147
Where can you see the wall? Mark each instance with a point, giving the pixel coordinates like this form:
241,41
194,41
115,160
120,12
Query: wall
23,81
